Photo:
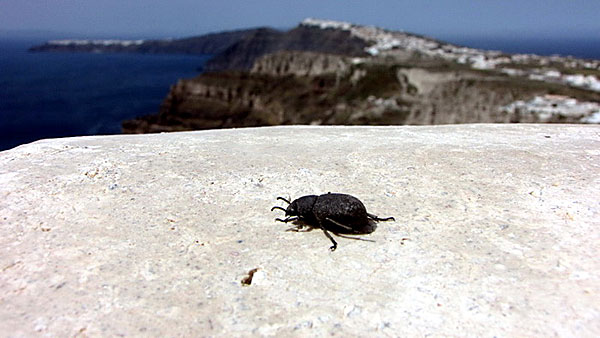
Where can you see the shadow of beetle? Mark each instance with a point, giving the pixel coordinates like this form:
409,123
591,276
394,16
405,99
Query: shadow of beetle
336,213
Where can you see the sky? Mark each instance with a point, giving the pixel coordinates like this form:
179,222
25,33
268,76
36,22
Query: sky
179,18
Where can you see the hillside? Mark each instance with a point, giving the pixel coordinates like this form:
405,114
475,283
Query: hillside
214,43
328,72
389,78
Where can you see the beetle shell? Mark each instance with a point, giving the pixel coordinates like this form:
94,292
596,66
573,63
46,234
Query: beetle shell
344,209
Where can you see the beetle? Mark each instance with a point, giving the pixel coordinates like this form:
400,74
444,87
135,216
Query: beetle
338,213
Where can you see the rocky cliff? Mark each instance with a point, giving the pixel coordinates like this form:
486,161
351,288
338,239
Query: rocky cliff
243,54
301,64
317,88
326,72
233,50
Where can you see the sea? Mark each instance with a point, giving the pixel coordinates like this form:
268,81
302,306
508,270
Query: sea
50,95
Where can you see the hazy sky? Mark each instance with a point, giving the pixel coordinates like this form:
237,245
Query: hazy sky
436,18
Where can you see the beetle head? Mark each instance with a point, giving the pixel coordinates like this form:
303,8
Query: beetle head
301,206
292,209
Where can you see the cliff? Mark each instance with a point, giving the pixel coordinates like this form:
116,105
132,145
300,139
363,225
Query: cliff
316,88
243,54
496,233
233,50
284,63
327,72
214,43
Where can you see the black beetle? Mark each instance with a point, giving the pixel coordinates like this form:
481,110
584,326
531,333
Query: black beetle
338,213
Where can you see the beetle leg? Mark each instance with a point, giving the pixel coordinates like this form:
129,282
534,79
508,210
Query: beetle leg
289,219
375,218
276,207
299,227
339,224
334,246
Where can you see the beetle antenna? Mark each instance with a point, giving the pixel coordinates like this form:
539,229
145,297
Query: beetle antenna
376,218
283,199
354,238
280,208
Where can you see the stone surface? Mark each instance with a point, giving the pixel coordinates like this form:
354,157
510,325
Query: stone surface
496,233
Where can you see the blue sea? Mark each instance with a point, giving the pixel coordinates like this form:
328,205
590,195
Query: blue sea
584,47
48,95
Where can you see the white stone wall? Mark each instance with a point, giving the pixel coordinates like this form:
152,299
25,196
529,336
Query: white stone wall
496,233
